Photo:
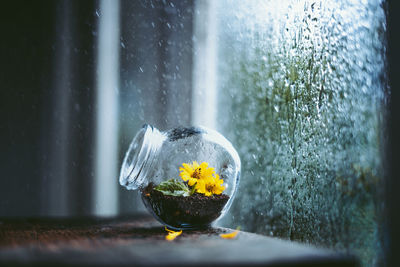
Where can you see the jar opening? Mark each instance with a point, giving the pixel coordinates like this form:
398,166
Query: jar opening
140,156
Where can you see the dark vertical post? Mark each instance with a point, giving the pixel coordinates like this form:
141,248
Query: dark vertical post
55,123
68,125
82,114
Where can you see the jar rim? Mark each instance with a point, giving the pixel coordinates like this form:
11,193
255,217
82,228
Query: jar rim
139,157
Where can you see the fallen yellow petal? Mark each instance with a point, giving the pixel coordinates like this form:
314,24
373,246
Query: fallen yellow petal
171,234
230,235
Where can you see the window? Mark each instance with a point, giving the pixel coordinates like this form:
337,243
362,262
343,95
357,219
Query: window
302,94
299,87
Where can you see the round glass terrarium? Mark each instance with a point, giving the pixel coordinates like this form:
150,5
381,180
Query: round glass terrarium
187,177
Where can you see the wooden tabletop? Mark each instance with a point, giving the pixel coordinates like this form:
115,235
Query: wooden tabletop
140,241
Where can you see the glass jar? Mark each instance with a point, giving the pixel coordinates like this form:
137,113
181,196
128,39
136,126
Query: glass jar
187,177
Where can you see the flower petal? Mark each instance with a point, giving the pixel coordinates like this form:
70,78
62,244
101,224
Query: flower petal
188,168
192,181
172,234
230,235
195,165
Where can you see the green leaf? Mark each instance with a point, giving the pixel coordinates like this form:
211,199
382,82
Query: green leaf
173,187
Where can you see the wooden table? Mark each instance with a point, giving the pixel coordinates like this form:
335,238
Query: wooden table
140,241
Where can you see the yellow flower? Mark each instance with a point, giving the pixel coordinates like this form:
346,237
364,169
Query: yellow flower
192,172
211,185
203,178
172,234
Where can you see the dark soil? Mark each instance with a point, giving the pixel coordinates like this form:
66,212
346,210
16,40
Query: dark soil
195,211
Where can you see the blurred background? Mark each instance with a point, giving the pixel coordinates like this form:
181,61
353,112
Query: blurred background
78,80
299,87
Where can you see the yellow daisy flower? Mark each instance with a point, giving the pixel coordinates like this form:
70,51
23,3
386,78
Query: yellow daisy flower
192,172
210,186
203,178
